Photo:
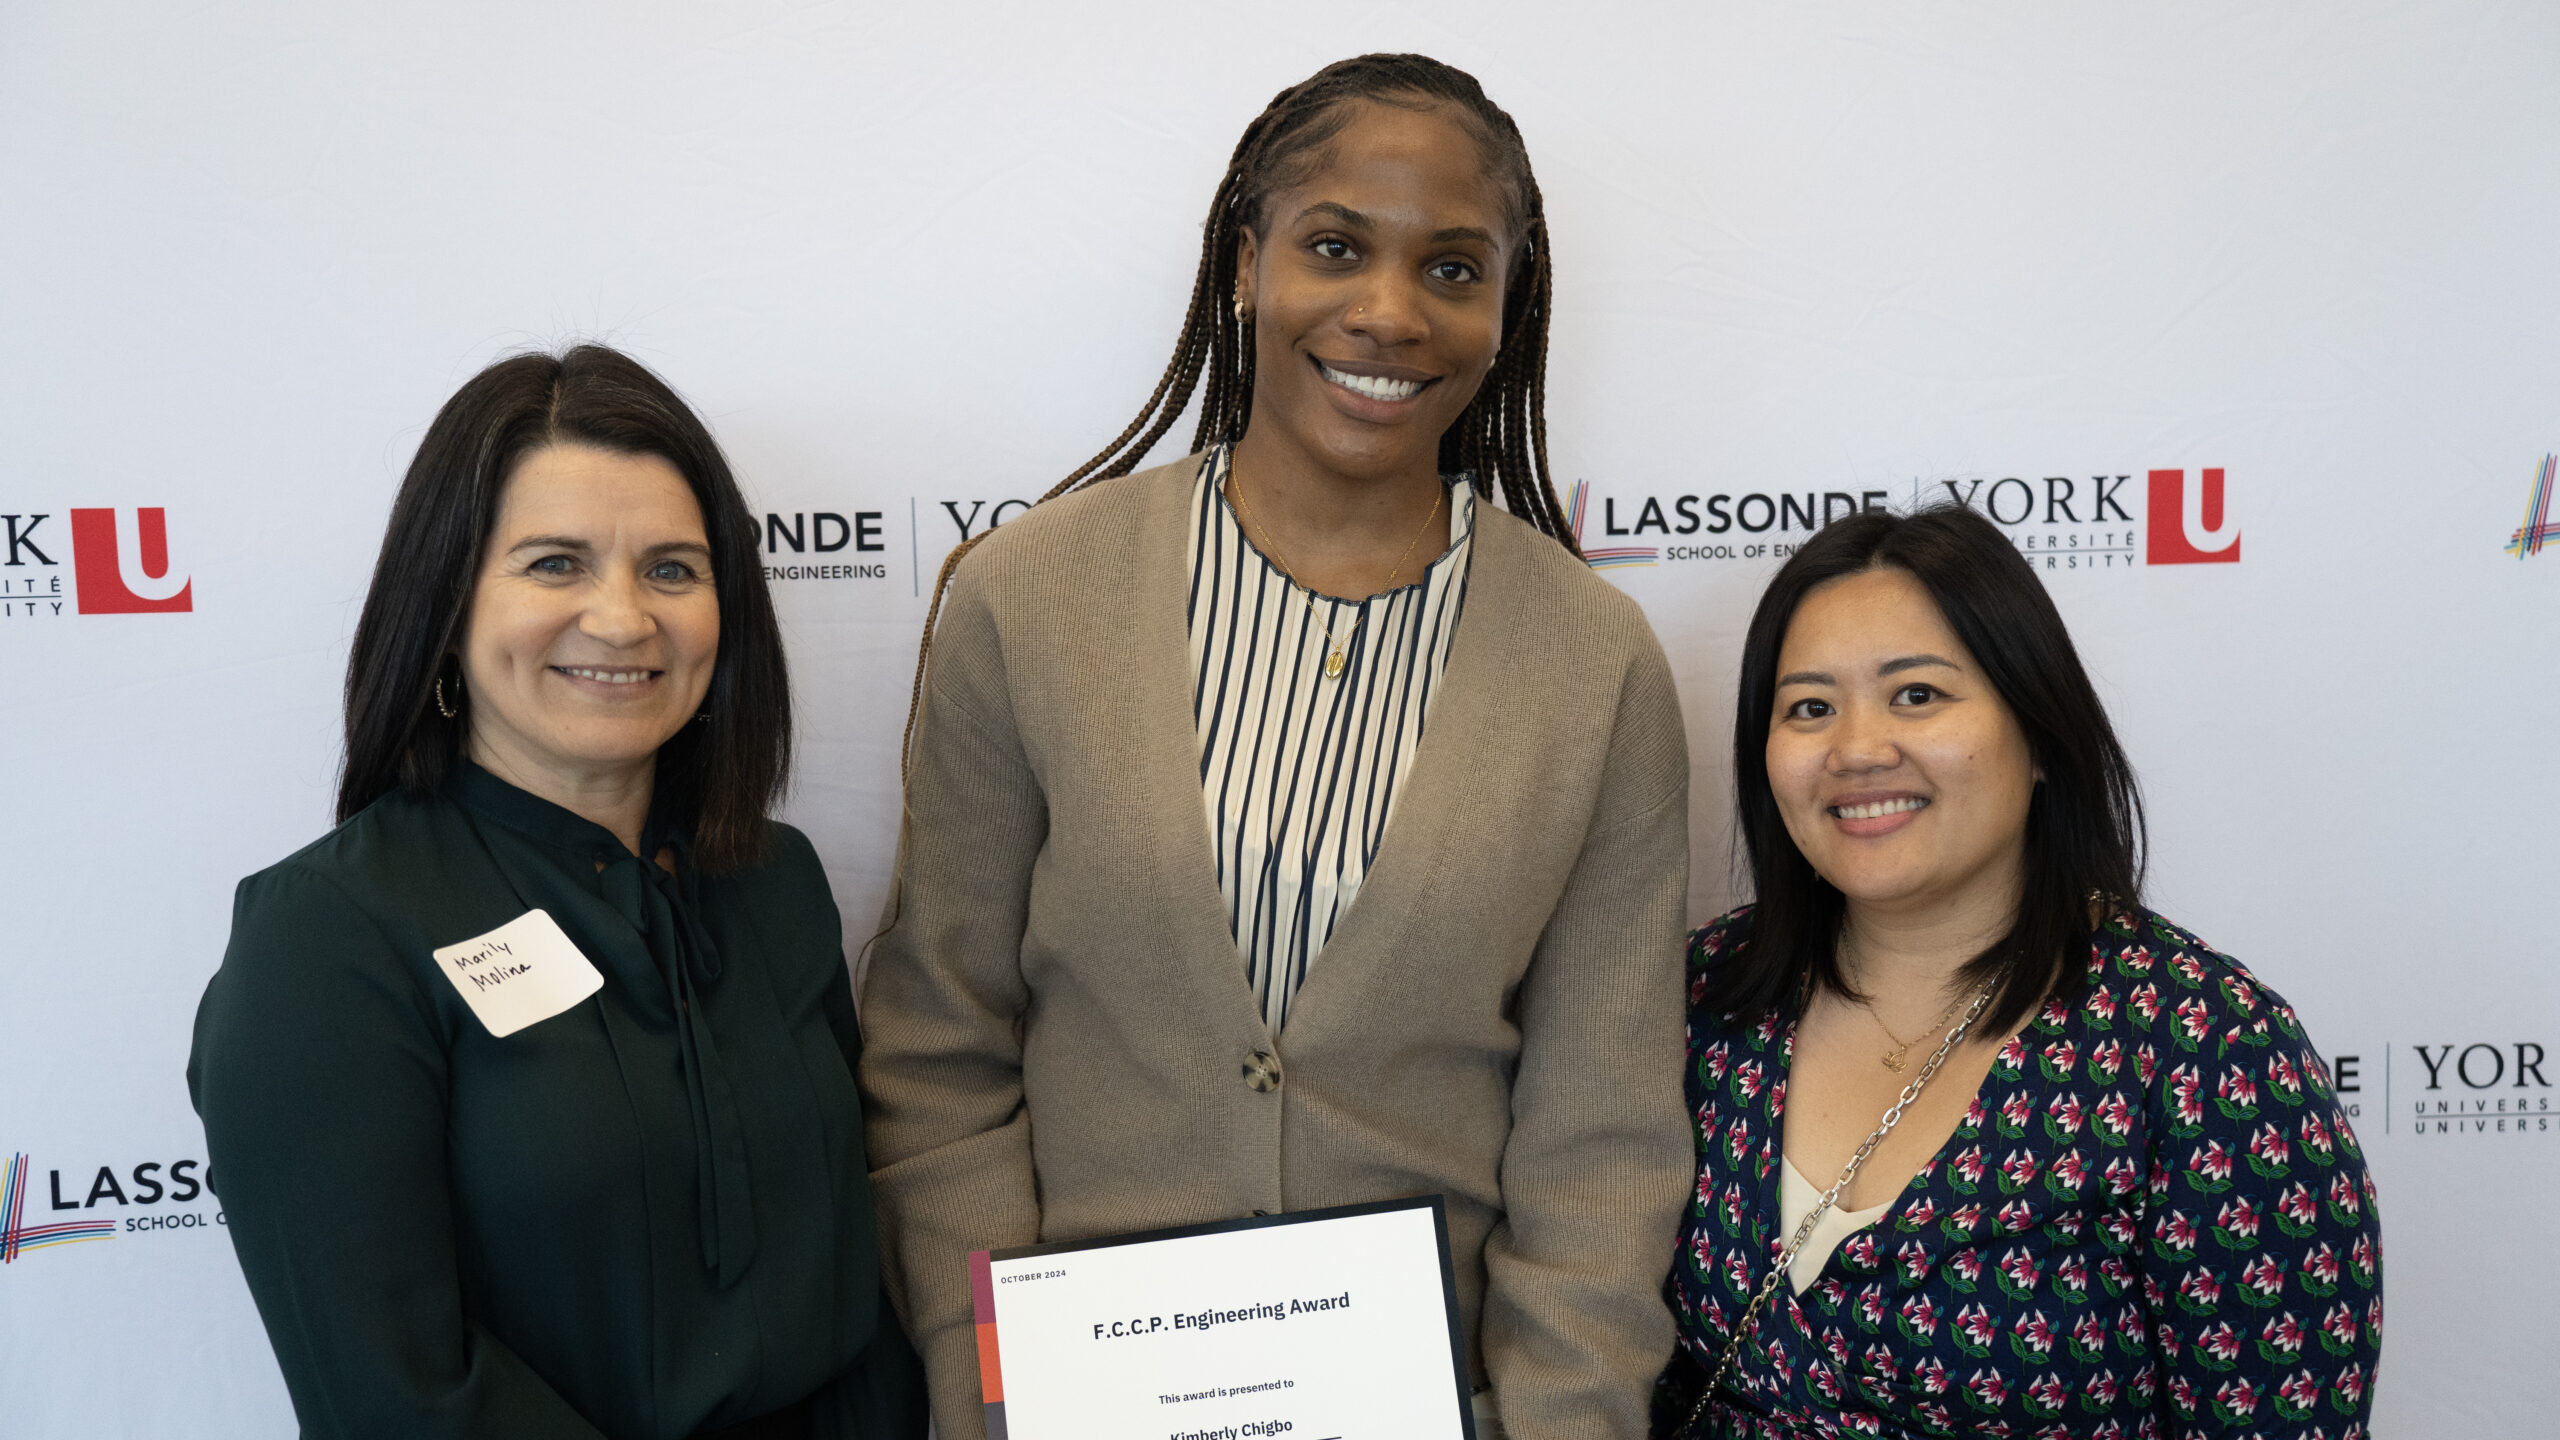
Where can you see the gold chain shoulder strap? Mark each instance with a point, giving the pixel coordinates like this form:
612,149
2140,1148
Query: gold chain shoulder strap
1822,1207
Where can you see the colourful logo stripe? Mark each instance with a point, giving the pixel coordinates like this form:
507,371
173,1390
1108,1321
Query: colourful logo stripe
13,1205
1619,558
36,1237
17,1176
1608,557
2538,529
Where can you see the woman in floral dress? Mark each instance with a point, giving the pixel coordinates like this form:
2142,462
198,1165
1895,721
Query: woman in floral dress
2119,1197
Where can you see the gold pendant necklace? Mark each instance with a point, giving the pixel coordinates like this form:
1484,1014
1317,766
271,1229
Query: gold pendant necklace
1895,1058
1335,647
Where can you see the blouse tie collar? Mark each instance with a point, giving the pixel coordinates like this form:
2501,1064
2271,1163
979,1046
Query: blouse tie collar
666,907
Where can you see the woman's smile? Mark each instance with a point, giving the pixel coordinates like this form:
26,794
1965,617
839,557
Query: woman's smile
1377,384
618,683
1870,816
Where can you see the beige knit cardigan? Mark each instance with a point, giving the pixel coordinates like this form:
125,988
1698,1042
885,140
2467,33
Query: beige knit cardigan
1058,1030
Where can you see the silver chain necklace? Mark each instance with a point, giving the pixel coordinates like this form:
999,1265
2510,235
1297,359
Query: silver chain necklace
1822,1207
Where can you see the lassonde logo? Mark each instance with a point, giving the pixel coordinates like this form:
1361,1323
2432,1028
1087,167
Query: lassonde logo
821,533
120,565
2538,529
145,1187
17,1177
1723,525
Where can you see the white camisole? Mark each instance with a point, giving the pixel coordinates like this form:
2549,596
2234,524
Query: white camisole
1796,1198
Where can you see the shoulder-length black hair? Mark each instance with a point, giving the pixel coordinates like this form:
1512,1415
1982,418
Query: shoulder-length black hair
2084,821
720,777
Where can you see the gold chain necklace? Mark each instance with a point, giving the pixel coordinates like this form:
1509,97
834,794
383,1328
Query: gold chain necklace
1894,1058
1333,660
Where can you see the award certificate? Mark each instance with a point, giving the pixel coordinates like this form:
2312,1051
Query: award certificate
1334,1324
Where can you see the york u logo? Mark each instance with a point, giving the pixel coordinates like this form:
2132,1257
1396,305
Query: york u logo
122,560
968,523
2191,524
2482,1066
119,558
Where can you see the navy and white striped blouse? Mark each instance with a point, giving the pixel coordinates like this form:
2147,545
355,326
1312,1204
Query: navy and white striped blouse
1299,771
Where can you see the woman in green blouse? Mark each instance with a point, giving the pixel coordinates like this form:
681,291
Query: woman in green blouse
531,1084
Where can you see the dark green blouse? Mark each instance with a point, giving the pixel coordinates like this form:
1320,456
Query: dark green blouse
645,1216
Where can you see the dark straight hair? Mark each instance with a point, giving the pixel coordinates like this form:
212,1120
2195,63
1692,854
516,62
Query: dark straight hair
718,778
2085,836
1499,441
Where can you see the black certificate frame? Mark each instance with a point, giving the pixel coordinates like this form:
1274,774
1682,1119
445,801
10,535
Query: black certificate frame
1437,1204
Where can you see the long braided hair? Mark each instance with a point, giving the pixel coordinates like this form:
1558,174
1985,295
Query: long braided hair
1499,441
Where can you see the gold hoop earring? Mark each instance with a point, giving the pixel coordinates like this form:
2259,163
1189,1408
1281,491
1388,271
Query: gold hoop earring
1243,316
442,708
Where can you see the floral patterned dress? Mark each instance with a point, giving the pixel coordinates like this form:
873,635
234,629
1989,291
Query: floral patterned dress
2153,1221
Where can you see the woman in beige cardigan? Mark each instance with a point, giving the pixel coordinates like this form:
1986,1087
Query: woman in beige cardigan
1090,1012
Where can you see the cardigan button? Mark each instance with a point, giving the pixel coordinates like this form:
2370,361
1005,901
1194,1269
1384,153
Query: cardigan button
1262,1071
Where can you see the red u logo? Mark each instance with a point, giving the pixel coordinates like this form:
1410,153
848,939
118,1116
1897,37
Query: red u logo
121,559
2190,527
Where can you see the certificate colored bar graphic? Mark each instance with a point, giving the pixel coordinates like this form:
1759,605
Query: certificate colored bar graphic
1337,1324
982,1293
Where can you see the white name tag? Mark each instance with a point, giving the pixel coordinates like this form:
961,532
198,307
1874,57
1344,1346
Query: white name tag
523,971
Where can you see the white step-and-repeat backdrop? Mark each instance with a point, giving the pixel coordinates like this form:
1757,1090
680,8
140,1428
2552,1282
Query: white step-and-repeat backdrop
2243,320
